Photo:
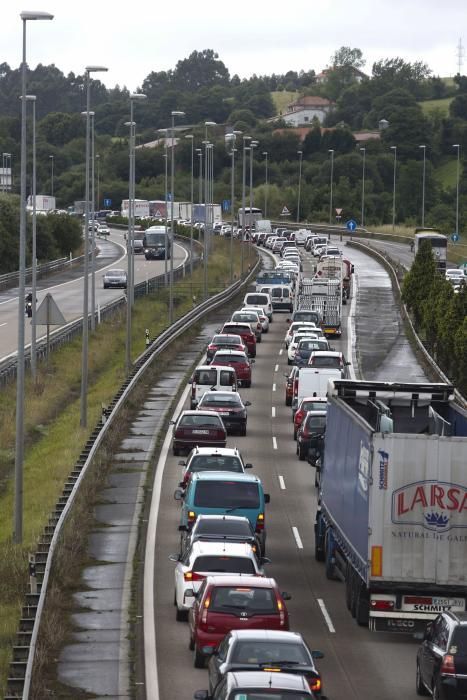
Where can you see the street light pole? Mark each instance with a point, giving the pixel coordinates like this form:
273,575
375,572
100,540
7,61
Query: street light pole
457,145
93,241
266,184
19,444
134,97
191,138
32,99
363,150
331,151
51,176
394,148
85,339
300,158
98,160
232,138
175,113
423,184
242,240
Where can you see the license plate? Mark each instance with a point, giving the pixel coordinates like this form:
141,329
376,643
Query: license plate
435,604
200,432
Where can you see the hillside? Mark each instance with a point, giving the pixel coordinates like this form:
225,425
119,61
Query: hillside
433,105
283,98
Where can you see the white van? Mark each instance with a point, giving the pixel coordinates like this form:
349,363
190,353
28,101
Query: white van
211,378
282,297
259,299
313,382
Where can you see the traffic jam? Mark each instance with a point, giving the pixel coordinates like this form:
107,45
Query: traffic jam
234,615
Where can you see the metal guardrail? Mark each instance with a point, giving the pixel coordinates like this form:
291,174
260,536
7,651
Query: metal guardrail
390,266
60,336
21,668
11,279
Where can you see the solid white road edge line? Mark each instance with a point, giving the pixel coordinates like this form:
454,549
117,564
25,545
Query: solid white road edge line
274,443
298,539
351,350
274,387
281,482
273,411
150,654
326,615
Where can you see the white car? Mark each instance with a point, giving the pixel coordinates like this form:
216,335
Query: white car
264,320
300,325
297,337
455,275
205,558
103,230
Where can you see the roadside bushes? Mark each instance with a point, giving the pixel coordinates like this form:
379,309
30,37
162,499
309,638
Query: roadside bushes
439,315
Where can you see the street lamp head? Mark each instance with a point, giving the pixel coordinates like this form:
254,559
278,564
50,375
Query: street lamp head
363,149
210,123
96,69
299,153
91,114
237,132
189,136
330,150
264,153
393,148
199,151
29,14
456,145
247,138
54,156
138,96
126,123
29,98
177,113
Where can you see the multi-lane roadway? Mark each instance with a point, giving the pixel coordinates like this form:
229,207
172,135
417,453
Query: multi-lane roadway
357,663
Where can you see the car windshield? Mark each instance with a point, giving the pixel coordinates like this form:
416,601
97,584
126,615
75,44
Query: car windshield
310,345
240,328
259,651
227,494
115,272
220,463
257,299
317,423
310,316
269,694
155,239
243,598
314,406
244,317
206,376
196,421
229,358
322,361
227,340
212,399
224,564
235,527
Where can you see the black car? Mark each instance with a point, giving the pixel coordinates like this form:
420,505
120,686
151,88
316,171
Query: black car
229,406
442,658
241,685
284,652
311,429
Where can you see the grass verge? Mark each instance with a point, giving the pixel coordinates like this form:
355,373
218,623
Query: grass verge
53,437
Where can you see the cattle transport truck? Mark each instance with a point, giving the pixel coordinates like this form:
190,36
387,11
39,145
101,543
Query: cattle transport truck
392,515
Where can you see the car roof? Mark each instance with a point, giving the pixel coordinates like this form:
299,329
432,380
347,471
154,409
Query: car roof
221,516
228,353
189,412
226,335
227,394
211,451
269,635
326,353
203,547
269,681
224,476
321,399
242,580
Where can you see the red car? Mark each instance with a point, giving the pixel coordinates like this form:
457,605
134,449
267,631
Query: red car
290,385
202,428
245,332
224,342
225,603
308,403
238,360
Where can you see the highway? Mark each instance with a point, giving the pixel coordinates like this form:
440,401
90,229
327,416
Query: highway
67,288
357,663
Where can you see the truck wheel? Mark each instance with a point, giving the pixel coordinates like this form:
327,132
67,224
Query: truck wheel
362,611
198,659
348,593
288,400
420,688
319,551
181,615
329,566
301,453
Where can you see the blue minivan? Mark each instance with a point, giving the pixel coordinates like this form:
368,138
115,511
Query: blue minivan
225,493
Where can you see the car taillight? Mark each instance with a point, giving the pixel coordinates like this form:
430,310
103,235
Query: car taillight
299,417
193,390
193,576
191,517
260,522
314,683
258,326
295,387
280,607
448,667
204,615
382,605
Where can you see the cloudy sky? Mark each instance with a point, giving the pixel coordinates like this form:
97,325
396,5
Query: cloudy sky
134,38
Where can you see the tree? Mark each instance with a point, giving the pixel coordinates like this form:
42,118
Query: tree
345,57
458,107
391,73
419,281
200,69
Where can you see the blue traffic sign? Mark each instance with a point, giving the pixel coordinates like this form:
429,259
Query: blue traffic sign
351,225
226,205
454,237
107,202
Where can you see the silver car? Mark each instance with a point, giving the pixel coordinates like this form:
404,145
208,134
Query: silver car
115,278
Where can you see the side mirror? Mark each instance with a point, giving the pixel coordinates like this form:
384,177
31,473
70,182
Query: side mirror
264,560
348,363
209,651
181,484
286,596
315,654
248,465
178,494
172,422
247,403
174,557
252,361
182,463
267,498
201,695
183,528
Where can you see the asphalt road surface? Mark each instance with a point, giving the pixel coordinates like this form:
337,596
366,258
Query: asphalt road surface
357,663
67,289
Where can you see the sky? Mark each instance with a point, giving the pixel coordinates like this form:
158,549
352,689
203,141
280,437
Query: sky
135,38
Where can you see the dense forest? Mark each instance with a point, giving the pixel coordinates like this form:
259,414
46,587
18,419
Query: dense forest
201,86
